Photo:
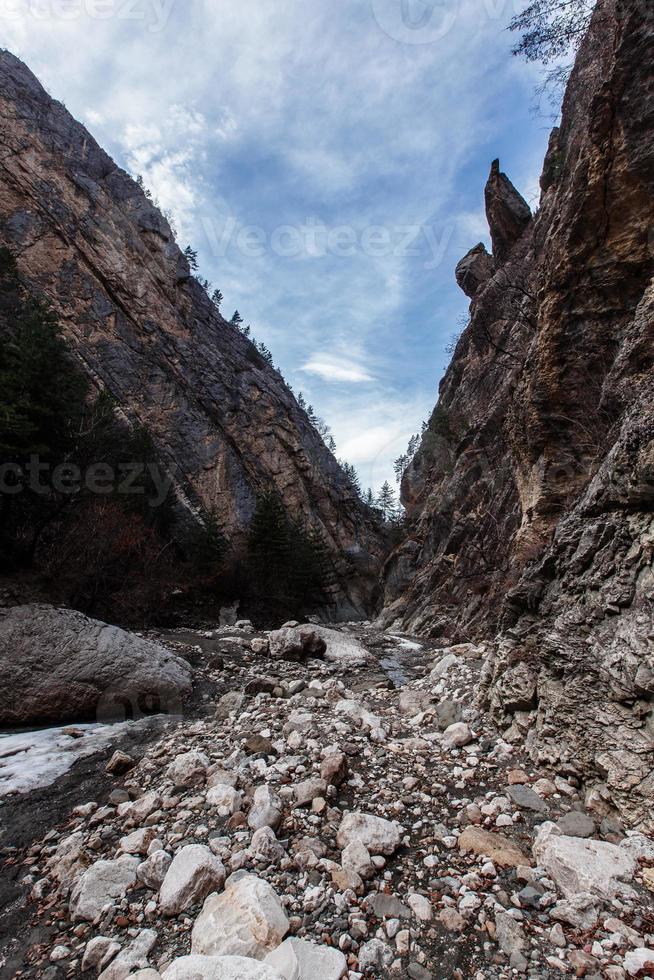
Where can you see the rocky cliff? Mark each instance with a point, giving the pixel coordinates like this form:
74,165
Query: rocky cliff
530,498
223,420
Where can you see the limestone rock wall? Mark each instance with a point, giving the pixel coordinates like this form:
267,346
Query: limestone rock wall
530,499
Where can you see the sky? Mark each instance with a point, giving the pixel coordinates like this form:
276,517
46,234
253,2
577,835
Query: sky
327,160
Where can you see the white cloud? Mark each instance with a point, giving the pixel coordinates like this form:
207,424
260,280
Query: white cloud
334,368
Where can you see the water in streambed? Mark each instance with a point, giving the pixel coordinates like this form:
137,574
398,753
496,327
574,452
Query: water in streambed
400,665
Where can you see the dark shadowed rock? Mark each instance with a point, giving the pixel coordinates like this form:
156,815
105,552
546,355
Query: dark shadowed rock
58,665
474,270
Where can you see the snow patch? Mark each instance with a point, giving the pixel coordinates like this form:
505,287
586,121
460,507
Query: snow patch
31,760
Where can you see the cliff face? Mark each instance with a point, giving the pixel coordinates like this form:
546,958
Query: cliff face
530,499
224,421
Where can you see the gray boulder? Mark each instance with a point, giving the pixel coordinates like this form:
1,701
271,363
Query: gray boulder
59,665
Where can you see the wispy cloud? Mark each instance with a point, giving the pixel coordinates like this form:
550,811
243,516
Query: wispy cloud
257,114
333,368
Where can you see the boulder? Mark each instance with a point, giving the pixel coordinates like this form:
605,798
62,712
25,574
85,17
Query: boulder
379,836
153,870
457,735
188,769
58,665
576,865
266,810
224,799
195,871
341,648
219,968
247,919
297,959
296,643
100,885
133,956
500,850
334,768
474,270
525,798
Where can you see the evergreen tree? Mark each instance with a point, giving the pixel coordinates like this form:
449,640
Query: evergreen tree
287,565
217,298
386,502
351,476
301,401
192,258
236,319
331,444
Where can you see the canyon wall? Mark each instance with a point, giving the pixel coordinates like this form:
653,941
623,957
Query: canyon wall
530,498
223,420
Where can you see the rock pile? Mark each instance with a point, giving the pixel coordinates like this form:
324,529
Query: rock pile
325,825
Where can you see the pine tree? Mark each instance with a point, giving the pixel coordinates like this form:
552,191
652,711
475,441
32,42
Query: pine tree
217,298
331,444
386,502
351,476
192,258
236,319
301,401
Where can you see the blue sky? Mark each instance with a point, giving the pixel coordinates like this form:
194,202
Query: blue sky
326,158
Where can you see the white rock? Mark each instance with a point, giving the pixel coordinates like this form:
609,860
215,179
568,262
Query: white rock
297,959
359,715
100,885
188,769
638,959
134,955
99,951
154,869
457,735
224,799
583,865
138,842
266,810
379,836
421,907
341,648
265,847
444,666
194,872
219,968
356,857
247,919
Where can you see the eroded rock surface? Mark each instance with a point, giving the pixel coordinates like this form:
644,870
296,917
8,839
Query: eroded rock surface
59,665
530,499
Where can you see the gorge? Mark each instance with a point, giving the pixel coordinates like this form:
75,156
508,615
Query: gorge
448,769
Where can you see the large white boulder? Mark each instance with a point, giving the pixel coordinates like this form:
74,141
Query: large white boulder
102,884
195,871
59,665
379,836
297,959
219,968
247,919
580,865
